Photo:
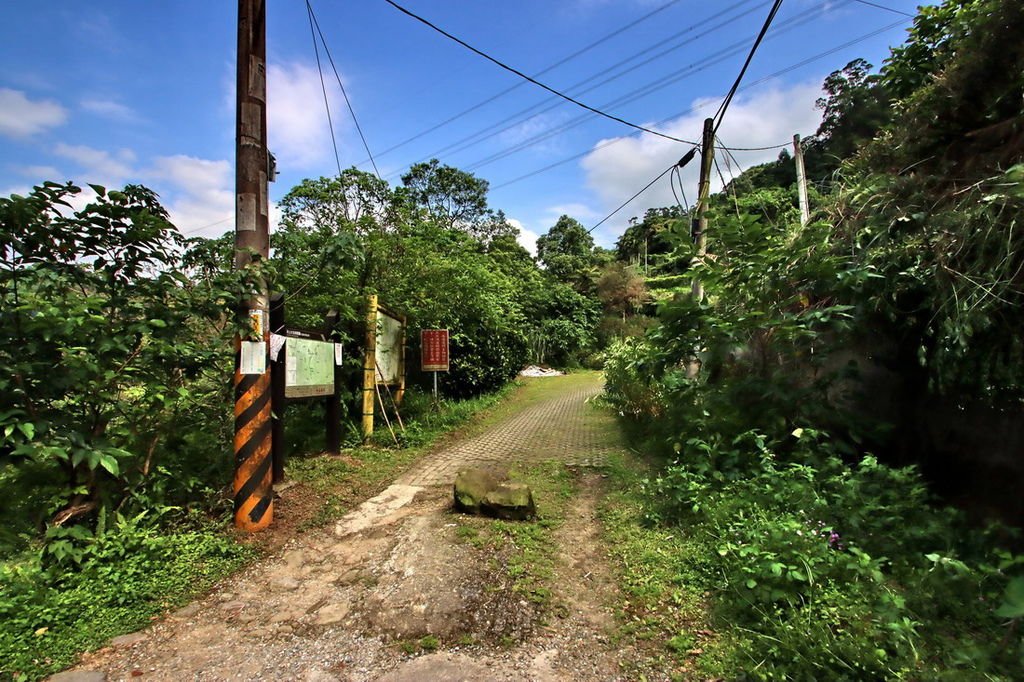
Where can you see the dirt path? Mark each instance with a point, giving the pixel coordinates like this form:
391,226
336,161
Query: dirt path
392,593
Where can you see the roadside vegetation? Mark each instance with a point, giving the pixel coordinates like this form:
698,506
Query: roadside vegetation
795,493
783,505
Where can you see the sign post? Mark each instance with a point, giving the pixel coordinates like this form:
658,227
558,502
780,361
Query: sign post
434,353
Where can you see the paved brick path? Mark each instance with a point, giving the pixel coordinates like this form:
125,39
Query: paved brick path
562,426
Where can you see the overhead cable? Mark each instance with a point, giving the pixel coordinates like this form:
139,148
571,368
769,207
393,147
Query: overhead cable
720,114
551,67
609,74
341,85
679,164
887,9
771,76
533,80
323,87
631,96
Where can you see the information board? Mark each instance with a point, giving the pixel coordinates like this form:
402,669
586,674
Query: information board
389,348
434,350
309,368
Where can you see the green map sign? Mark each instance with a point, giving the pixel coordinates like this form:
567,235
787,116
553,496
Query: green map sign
309,368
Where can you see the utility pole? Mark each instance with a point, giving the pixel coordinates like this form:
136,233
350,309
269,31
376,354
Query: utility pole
254,496
369,366
700,237
801,181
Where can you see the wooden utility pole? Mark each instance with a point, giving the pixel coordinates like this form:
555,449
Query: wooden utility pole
700,237
801,181
254,497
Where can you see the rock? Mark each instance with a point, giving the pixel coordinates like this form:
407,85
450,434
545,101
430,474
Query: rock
186,611
439,667
232,606
125,641
285,583
332,613
294,559
283,616
472,486
78,676
510,501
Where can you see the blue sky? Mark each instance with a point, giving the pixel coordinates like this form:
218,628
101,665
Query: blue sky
112,92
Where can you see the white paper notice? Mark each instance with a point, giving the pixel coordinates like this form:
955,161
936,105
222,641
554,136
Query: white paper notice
338,348
253,357
276,344
291,368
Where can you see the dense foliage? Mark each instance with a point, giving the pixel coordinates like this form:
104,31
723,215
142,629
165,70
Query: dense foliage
821,559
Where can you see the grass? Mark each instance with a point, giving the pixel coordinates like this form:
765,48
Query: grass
524,551
51,614
342,482
662,609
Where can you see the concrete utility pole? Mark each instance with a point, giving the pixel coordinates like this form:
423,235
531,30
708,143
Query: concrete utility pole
700,237
801,181
254,497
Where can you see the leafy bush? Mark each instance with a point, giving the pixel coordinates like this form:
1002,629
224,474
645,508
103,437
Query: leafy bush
88,587
830,570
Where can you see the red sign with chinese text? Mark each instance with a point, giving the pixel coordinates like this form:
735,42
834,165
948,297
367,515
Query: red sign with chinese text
434,350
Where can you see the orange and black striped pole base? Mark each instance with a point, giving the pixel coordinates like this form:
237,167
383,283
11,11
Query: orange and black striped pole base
254,493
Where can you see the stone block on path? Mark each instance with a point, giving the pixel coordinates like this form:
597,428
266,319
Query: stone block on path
488,491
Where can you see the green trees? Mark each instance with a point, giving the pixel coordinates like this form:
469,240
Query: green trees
818,344
106,337
567,252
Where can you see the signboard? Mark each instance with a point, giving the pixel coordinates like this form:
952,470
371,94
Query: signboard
434,350
389,348
309,368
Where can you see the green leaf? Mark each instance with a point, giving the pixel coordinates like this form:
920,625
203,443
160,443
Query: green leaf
109,463
1013,600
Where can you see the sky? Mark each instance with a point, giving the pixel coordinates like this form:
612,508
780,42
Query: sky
120,91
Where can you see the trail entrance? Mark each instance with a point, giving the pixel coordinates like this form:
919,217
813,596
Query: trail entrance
403,589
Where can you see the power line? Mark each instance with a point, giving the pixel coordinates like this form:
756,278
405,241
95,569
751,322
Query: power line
533,80
203,227
626,202
323,87
637,93
887,9
342,86
720,115
551,67
553,102
687,157
771,76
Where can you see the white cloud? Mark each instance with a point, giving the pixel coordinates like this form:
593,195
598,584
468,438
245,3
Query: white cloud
201,198
541,126
40,173
300,137
99,166
580,212
21,117
616,171
20,190
527,238
200,194
111,109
